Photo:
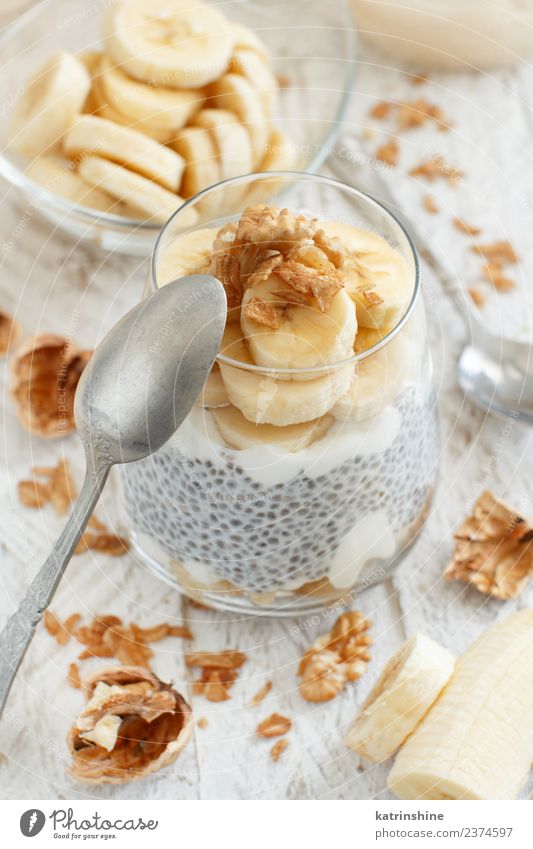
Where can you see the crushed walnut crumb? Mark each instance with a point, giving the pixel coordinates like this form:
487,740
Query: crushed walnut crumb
261,694
275,725
335,658
56,488
435,168
278,748
430,204
493,549
74,676
381,110
10,332
418,79
501,253
219,671
202,722
478,297
419,112
466,228
388,152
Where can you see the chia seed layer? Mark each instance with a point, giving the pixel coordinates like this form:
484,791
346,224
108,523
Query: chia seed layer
262,539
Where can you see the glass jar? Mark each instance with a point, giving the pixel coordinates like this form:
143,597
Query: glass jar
244,514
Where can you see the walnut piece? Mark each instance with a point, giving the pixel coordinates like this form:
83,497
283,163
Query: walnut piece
45,374
278,748
275,725
434,168
388,152
261,693
493,549
219,673
10,332
262,313
430,204
57,487
335,658
466,228
146,723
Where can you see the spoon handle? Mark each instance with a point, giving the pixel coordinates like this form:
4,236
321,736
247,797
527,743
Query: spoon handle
18,633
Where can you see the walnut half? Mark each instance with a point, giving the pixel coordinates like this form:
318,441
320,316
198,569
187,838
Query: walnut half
132,725
493,549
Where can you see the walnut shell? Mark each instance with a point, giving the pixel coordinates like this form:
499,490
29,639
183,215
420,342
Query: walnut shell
45,373
156,725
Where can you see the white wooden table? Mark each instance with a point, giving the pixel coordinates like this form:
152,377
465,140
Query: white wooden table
51,283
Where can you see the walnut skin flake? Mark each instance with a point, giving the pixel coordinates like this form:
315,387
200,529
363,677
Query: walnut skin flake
388,152
219,673
155,724
275,725
433,169
278,748
493,549
10,332
45,374
335,658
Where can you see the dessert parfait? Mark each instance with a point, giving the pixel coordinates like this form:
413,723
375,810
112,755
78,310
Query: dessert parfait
306,466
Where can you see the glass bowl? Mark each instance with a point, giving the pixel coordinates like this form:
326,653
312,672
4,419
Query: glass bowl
289,521
319,71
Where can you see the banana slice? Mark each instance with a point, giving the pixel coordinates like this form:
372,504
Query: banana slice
202,168
376,382
264,399
281,155
97,104
187,254
377,270
143,196
214,394
246,39
98,136
231,140
305,336
241,434
166,108
174,43
59,177
256,69
91,59
234,93
409,684
476,741
50,103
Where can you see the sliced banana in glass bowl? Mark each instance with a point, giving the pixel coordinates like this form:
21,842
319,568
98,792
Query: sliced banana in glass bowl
117,113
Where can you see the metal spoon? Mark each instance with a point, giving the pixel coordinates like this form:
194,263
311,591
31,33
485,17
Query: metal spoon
134,393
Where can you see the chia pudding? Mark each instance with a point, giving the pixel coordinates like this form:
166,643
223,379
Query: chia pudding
307,465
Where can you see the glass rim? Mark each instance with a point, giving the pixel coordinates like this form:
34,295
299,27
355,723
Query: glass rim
16,175
307,177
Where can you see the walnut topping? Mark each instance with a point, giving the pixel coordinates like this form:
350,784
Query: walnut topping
275,725
261,694
418,112
113,545
266,239
262,313
45,374
463,227
219,673
493,549
10,332
434,168
278,748
337,657
133,725
388,152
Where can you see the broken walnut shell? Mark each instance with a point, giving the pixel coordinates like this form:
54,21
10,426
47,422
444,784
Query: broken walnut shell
155,725
45,373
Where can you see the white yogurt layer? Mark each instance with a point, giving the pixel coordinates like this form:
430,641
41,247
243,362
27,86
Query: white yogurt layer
199,439
370,538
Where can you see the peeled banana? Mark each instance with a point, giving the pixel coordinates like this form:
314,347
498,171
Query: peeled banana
402,695
476,742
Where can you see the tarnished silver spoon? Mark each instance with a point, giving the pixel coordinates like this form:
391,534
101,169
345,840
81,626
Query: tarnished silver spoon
136,390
